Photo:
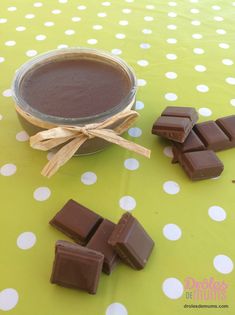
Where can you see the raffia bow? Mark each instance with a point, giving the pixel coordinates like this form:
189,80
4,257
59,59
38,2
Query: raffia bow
74,136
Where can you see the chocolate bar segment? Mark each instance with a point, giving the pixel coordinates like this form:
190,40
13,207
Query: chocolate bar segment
131,242
99,242
76,267
227,124
175,123
76,221
200,164
180,111
212,136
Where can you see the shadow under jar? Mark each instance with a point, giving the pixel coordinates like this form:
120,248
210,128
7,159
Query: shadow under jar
74,86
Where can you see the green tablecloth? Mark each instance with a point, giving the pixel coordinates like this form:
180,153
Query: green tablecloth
183,53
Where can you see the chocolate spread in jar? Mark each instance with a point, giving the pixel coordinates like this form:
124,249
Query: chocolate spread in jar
74,88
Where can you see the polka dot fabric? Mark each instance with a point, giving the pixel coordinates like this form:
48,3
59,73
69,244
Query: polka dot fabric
183,55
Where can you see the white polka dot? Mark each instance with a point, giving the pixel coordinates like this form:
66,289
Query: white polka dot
42,193
171,56
198,51
92,41
227,62
102,14
216,7
49,24
3,20
135,132
116,51
11,9
143,63
1,117
196,23
20,28
69,32
171,40
194,1
8,169
224,45
116,309
148,18
221,32
8,299
56,11
217,213
50,155
171,96
150,7
141,82
10,43
171,27
81,7
204,111
30,16
126,11
123,22
223,264
232,102
197,36
38,4
200,68
127,203
97,27
233,4
88,178
230,80
40,37
172,232
129,1
63,1
202,88
26,240
61,46
168,152
172,14
76,19
31,53
120,36
2,59
106,3
145,45
171,187
194,11
171,75
218,18
131,164
172,288
172,4
139,105
7,93
147,31
22,136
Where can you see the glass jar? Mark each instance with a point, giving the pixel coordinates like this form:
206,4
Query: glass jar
91,145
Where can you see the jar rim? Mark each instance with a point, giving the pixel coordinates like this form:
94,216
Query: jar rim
27,66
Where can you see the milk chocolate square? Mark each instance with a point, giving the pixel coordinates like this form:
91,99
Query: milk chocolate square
131,242
227,124
212,135
181,111
99,242
76,221
76,267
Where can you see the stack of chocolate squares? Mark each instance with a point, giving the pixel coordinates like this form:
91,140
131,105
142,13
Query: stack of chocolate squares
194,145
102,245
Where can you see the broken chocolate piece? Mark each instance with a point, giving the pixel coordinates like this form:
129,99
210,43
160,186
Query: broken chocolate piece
200,164
212,136
227,124
76,221
99,242
175,123
76,267
131,242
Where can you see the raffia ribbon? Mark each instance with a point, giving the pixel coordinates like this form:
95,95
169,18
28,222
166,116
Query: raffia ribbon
74,136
